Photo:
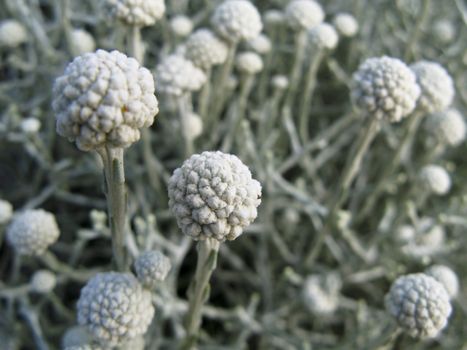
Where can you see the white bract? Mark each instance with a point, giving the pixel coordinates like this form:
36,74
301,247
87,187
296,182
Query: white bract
448,127
181,25
323,36
104,99
32,232
436,86
303,14
345,24
205,49
6,211
249,63
135,12
151,268
176,75
12,33
435,179
213,195
115,308
43,281
385,88
237,20
447,277
81,42
420,304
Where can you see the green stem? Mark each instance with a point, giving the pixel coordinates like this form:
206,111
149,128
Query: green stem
199,290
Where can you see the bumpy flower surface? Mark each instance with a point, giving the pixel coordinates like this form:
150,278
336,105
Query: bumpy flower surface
236,20
81,42
323,36
448,127
420,304
6,211
249,63
176,75
12,33
321,293
104,99
213,195
181,25
205,49
435,179
136,12
152,267
261,44
385,88
447,277
32,232
303,14
436,86
43,281
115,308
345,24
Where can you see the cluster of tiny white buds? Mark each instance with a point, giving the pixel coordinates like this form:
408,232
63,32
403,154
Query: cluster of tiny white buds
43,282
447,277
192,126
181,26
303,14
321,293
280,82
448,127
151,268
205,49
323,36
444,31
139,13
12,33
345,24
30,126
261,44
249,63
81,42
435,179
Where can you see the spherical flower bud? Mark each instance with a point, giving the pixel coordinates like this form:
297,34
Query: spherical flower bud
6,212
32,232
346,24
303,14
12,33
321,293
115,308
176,75
151,268
261,44
181,26
192,126
81,42
323,36
237,20
444,31
205,49
30,125
447,277
273,17
435,179
385,88
448,127
249,63
76,336
420,304
213,195
104,99
280,82
135,12
43,281
436,86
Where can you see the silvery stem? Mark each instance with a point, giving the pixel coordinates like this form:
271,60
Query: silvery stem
204,95
294,79
135,47
199,290
116,202
183,112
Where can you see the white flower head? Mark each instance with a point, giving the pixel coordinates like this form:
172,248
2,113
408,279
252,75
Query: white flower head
115,308
447,277
321,293
385,88
104,99
261,44
43,281
345,24
420,305
176,75
303,14
181,26
192,126
323,36
444,31
213,195
135,12
448,127
81,42
30,125
12,33
280,82
152,267
249,63
237,20
32,232
6,212
205,49
273,17
436,86
435,179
